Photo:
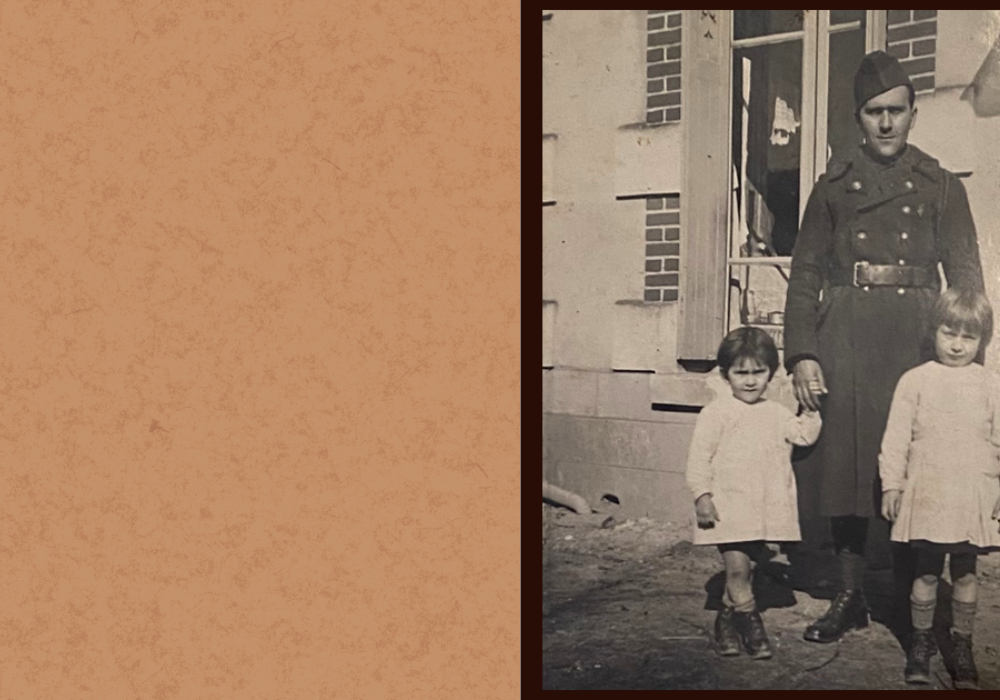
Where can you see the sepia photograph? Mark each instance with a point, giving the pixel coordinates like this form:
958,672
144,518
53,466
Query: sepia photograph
770,383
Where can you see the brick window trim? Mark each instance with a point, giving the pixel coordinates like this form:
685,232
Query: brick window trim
911,36
663,66
662,241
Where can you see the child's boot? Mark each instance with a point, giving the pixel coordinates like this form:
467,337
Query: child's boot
965,674
727,641
918,658
752,634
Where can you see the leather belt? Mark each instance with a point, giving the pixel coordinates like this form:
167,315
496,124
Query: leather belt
864,274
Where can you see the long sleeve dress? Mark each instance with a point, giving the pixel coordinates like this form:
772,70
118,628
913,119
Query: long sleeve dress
940,448
741,454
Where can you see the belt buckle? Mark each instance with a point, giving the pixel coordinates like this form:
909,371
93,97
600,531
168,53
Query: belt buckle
857,266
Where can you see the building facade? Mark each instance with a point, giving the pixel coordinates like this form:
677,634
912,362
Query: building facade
678,150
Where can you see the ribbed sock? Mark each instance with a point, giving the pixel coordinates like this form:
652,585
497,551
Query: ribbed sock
962,616
922,613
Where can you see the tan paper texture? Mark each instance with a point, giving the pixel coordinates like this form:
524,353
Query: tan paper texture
259,356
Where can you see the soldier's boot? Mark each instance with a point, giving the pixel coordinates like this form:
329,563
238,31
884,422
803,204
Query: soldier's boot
848,611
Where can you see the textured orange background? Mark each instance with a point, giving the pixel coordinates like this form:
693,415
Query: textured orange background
260,350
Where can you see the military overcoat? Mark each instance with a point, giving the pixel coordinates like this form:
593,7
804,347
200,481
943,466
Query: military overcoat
908,212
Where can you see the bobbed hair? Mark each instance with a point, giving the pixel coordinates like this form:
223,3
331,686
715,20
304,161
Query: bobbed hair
964,309
750,343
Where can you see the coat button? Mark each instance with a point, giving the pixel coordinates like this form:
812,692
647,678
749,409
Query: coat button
862,235
865,287
906,209
909,184
900,291
904,235
856,185
902,262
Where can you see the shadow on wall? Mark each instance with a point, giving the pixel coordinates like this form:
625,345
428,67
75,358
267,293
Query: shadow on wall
984,92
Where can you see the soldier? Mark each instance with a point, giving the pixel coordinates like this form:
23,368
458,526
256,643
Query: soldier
863,282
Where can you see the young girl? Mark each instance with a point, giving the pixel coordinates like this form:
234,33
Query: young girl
940,475
740,474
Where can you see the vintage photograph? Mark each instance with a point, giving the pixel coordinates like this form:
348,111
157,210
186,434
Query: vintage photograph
771,389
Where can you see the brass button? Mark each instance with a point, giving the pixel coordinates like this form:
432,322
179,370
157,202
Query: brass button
906,209
909,184
865,287
856,185
904,235
902,262
900,291
862,235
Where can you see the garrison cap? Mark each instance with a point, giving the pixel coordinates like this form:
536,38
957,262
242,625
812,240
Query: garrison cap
878,73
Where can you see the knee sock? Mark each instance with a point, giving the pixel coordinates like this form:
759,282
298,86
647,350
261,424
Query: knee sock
852,571
962,616
922,613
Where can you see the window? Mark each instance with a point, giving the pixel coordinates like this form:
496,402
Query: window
788,77
792,110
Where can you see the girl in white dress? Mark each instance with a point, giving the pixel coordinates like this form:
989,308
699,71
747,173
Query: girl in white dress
740,474
941,476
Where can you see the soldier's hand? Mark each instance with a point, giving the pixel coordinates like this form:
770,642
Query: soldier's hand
890,504
808,382
704,510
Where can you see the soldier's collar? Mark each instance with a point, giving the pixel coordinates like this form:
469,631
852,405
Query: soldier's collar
879,163
861,160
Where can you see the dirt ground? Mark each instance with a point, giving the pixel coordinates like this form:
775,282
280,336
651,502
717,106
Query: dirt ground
628,604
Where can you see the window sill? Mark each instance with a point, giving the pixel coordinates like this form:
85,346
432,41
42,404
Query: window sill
642,302
780,261
643,126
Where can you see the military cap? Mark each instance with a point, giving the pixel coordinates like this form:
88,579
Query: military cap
878,73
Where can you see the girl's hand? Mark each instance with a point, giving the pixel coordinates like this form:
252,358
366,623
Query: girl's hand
890,504
996,510
704,510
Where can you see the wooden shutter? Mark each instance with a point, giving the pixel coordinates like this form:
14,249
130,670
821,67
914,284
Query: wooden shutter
705,177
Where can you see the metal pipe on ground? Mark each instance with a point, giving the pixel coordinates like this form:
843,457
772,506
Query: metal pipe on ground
564,498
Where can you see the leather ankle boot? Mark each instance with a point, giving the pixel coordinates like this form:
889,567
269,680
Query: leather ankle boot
965,674
750,627
918,657
727,641
848,611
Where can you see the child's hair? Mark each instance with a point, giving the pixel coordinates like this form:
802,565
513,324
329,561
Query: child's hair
750,343
964,309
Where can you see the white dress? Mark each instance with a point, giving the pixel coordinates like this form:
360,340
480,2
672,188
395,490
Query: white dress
940,448
741,454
